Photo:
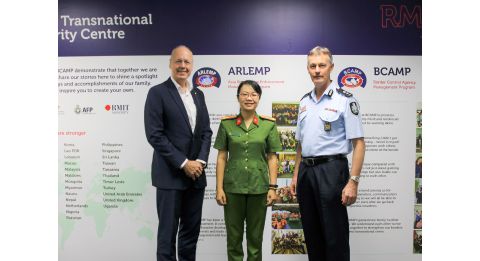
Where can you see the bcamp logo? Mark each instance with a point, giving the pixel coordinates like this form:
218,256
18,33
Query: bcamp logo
387,71
117,108
206,77
352,77
83,110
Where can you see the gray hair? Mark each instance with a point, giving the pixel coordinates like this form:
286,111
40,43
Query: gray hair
317,50
181,46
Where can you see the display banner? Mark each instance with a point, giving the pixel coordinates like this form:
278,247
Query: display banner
107,204
149,27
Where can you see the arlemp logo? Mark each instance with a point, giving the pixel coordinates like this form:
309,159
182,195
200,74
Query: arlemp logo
117,108
206,77
352,77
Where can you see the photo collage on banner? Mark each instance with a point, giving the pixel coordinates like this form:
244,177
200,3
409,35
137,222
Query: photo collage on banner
417,226
287,232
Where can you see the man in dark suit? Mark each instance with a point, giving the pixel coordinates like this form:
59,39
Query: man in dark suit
177,126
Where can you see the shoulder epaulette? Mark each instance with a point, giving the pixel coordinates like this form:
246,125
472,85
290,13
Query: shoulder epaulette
342,91
265,117
306,95
231,117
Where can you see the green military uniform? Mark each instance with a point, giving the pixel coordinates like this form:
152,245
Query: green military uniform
246,180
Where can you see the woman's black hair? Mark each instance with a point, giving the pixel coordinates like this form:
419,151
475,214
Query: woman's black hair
256,87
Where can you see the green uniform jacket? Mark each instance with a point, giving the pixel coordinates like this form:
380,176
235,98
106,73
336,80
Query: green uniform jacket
246,171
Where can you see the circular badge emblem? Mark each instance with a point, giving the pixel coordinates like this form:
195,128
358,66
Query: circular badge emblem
352,77
206,77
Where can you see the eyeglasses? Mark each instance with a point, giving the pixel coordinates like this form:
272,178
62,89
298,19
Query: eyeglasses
254,95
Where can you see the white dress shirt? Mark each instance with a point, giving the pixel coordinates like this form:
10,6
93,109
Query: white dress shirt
190,107
188,102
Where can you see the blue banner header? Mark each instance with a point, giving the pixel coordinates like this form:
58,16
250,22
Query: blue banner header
276,27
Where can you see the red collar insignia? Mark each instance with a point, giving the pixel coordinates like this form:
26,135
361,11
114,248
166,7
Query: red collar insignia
255,120
240,120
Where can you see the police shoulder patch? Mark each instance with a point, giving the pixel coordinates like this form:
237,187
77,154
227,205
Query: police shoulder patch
306,95
231,117
265,117
345,93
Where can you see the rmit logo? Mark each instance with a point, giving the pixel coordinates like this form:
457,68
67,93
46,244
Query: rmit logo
117,108
391,70
399,16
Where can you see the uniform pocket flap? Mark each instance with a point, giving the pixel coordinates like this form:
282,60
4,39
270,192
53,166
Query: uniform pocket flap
329,115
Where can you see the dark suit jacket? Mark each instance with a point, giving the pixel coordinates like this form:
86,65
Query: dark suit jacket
169,132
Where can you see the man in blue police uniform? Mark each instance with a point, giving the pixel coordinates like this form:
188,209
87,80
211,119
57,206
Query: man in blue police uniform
329,127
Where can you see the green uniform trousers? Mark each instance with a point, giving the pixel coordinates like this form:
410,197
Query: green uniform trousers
241,208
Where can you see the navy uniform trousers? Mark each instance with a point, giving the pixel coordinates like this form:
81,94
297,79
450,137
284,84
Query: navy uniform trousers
324,218
172,206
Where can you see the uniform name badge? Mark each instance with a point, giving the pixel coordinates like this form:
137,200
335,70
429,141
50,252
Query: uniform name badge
327,126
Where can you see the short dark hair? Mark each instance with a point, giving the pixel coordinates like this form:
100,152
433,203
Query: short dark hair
256,87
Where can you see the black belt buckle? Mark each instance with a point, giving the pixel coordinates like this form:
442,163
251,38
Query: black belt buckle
309,161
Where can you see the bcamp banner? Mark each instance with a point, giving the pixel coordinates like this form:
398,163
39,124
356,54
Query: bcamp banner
112,52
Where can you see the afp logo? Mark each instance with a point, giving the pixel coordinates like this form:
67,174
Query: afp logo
352,77
206,77
83,110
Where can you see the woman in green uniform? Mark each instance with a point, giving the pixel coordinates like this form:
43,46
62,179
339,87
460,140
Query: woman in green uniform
246,172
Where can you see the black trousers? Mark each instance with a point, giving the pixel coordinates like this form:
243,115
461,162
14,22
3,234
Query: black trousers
324,218
174,208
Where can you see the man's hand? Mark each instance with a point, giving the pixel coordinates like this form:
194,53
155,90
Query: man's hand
298,159
349,193
271,197
193,169
293,186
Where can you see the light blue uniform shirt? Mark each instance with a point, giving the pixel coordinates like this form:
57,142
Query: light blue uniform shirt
336,109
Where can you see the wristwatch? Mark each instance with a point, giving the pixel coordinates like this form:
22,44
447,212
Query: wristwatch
355,178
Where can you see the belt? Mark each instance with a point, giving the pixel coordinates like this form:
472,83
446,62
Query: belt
312,161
